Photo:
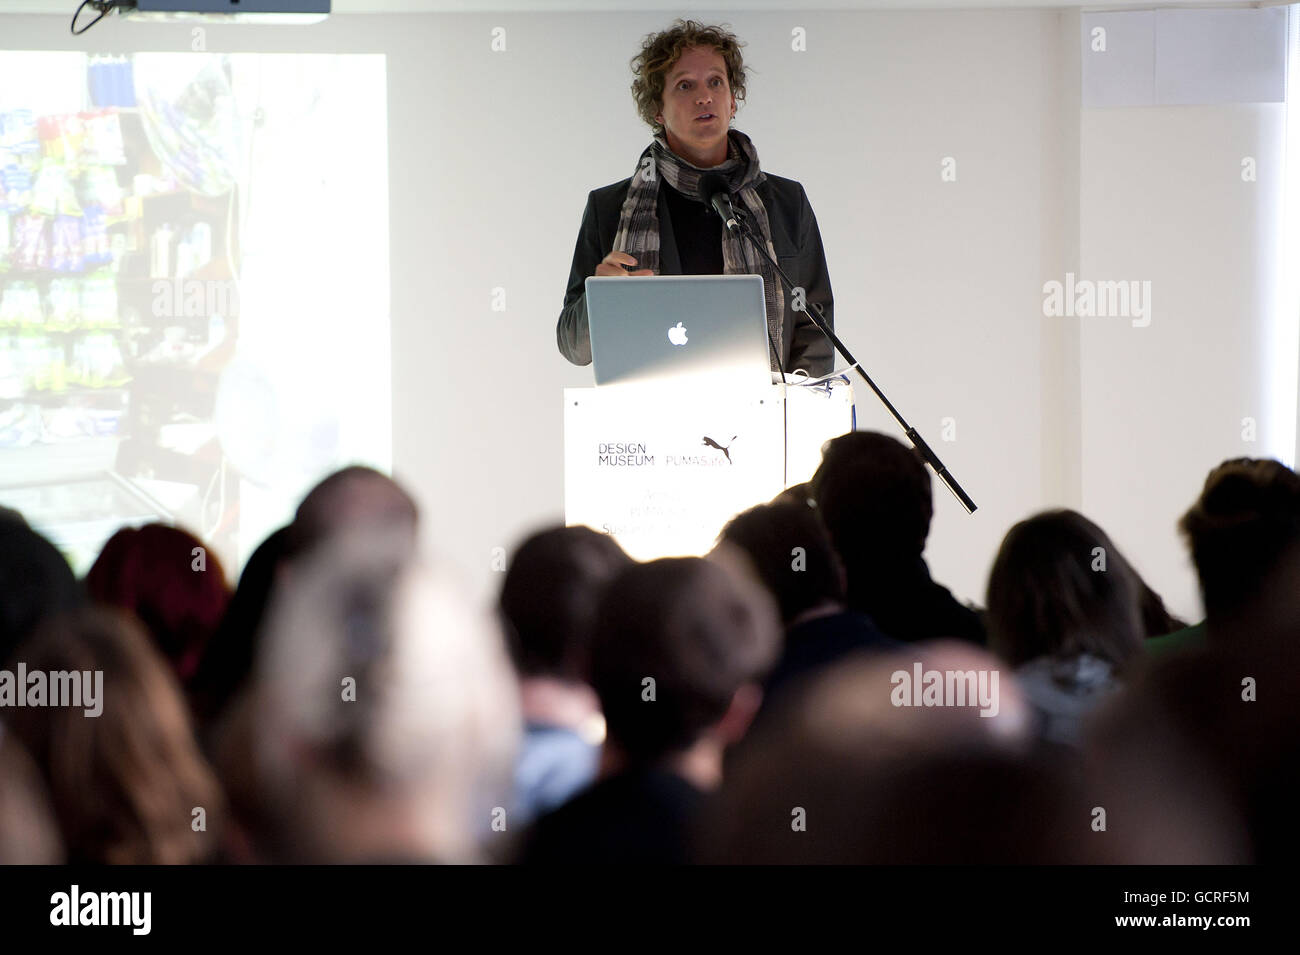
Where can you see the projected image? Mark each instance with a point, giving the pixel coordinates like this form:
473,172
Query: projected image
193,289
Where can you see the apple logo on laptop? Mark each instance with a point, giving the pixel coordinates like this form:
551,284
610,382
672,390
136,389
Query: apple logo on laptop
677,334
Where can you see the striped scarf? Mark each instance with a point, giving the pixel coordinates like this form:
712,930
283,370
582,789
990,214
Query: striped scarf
638,223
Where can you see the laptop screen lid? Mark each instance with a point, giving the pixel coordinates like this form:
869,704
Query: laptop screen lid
647,328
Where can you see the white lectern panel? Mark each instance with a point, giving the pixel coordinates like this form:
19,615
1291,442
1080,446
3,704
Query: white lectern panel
663,470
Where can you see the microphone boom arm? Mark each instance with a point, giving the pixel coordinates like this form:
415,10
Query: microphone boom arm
737,224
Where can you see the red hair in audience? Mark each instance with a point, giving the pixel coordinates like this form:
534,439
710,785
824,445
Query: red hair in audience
170,581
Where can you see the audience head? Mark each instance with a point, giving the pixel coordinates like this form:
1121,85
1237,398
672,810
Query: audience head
1059,587
124,783
227,663
171,582
703,632
351,499
873,494
1150,761
1197,759
29,833
386,708
792,554
35,582
550,595
1246,518
843,774
796,494
382,714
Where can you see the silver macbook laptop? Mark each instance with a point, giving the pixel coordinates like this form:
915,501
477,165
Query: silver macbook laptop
661,327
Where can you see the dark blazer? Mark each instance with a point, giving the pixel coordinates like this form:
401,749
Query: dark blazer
795,237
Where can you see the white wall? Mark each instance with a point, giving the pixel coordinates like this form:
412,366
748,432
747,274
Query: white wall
937,285
1163,199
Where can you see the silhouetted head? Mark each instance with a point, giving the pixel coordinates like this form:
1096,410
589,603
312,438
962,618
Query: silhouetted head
124,783
35,582
385,709
697,631
873,495
844,774
1246,518
171,582
792,554
550,596
1059,587
29,833
796,494
227,662
351,499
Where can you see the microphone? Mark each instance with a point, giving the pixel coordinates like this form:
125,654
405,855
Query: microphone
715,191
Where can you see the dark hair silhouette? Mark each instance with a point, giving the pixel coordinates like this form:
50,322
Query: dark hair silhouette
550,595
228,660
697,630
352,497
35,582
1059,587
873,494
1247,516
792,553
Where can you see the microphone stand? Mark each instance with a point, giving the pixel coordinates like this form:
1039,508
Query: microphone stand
737,224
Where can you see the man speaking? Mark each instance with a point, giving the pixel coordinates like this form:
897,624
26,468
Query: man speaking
656,222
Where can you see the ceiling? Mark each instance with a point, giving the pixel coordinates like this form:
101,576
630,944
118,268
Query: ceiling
66,7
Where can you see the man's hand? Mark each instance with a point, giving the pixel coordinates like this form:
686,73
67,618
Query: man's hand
613,263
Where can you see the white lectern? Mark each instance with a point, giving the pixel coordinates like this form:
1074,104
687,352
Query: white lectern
663,468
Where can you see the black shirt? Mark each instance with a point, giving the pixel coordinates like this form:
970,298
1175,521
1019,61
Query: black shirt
909,605
640,816
698,231
815,644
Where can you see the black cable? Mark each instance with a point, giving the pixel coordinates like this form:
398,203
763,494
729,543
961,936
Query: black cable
744,222
105,7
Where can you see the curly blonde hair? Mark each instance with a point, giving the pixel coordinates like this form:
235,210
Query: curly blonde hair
659,51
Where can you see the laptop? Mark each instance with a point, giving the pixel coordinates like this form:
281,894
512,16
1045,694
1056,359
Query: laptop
650,328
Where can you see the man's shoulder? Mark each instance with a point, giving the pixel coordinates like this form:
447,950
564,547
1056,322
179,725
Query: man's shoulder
623,796
614,192
782,184
634,816
783,189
